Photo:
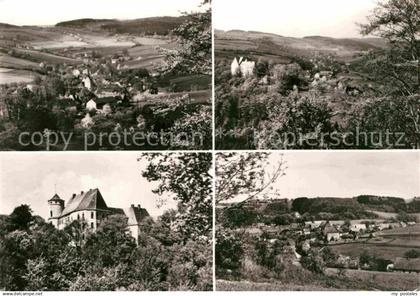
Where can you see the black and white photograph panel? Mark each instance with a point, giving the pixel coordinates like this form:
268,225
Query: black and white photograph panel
105,75
318,221
324,74
106,222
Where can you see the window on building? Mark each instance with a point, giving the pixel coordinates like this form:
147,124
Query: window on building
91,215
78,217
91,225
83,216
50,213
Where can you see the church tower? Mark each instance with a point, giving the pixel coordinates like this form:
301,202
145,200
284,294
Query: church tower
55,207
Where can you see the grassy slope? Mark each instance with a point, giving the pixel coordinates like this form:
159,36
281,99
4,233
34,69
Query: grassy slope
388,280
386,251
223,285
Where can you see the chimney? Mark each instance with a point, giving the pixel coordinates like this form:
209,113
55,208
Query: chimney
74,195
139,206
132,205
81,192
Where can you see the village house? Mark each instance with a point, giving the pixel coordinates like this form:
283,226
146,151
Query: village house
91,209
382,226
331,233
315,224
102,103
357,227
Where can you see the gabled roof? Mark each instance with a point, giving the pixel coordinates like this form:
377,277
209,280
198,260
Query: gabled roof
105,100
135,215
330,229
90,200
55,197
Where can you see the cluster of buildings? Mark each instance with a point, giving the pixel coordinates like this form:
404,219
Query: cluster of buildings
334,231
339,230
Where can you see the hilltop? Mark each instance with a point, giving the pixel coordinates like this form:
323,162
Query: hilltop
260,44
4,25
148,26
330,208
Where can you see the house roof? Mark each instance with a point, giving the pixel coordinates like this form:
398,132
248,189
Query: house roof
105,100
330,229
135,215
407,264
90,200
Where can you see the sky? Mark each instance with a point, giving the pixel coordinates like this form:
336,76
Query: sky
349,173
30,178
296,18
50,12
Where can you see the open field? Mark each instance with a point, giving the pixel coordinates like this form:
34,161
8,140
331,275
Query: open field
15,76
406,231
222,285
196,97
389,280
386,251
39,56
56,45
7,61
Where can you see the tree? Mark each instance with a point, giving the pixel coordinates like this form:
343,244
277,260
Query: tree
249,175
20,218
329,256
110,244
398,22
229,251
193,53
313,261
412,254
186,176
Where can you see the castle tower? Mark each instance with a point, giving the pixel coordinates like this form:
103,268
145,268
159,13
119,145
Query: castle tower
56,207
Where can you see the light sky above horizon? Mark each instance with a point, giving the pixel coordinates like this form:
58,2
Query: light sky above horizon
30,178
345,174
349,174
297,18
50,12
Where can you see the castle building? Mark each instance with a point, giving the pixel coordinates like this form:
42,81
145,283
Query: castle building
91,209
242,67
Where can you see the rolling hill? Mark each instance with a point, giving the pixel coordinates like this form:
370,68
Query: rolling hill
148,26
262,44
4,25
359,207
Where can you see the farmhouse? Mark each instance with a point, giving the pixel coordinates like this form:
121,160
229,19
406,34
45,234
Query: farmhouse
331,233
314,224
102,103
91,209
382,226
358,227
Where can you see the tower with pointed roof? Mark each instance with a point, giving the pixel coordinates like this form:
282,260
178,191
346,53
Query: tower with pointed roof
56,207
